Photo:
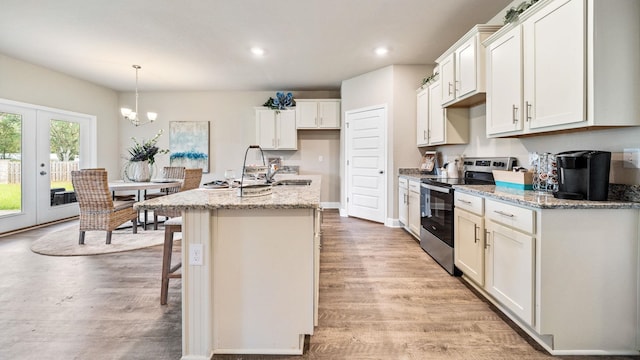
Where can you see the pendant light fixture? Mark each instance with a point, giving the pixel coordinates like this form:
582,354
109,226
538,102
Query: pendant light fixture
131,115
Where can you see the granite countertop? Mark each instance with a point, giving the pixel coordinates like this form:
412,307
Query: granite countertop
541,201
283,197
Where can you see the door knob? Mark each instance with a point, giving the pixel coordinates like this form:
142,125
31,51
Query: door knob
43,173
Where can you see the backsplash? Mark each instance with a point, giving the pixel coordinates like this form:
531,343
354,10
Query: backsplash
622,192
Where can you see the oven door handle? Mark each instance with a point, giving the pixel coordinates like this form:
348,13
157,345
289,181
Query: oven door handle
436,188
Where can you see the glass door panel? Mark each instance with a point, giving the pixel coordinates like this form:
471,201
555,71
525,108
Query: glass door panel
17,187
10,163
64,141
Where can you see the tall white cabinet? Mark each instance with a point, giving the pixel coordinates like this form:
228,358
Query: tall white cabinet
276,129
558,67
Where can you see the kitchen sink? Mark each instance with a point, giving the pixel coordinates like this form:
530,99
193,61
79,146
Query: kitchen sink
292,182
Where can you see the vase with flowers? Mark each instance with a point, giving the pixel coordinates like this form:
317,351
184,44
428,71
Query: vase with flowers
141,159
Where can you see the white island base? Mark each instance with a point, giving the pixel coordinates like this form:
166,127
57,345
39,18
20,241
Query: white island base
254,292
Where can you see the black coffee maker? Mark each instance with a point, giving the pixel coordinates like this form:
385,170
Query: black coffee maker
583,175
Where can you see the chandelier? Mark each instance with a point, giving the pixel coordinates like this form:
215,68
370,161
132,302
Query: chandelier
133,115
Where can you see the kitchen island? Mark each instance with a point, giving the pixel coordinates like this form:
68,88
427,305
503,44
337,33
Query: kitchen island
250,268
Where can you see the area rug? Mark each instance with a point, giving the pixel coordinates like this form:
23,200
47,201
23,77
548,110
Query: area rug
65,242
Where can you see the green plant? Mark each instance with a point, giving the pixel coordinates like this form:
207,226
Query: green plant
146,150
513,13
429,79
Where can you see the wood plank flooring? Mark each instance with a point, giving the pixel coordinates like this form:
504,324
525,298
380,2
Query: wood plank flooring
381,297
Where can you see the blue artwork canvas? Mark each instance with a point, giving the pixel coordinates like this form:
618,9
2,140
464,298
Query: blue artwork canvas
189,144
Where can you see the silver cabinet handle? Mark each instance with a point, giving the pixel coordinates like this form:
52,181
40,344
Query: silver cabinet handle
486,239
457,87
528,110
450,86
475,233
503,213
465,201
515,114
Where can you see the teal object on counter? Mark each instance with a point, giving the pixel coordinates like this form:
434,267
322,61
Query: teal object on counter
514,185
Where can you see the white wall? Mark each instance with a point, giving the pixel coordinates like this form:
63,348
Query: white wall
232,128
394,86
28,83
614,140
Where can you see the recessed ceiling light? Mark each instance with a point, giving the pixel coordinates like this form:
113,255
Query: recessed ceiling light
257,51
381,51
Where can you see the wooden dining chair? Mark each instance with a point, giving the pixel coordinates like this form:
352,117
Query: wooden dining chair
172,225
192,179
98,211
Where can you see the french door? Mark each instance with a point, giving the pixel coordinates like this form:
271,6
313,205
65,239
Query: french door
39,147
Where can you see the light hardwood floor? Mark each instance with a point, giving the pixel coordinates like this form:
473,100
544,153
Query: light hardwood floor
381,297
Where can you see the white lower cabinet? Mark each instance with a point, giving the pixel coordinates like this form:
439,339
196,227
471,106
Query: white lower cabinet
568,276
469,236
509,266
409,205
403,201
414,208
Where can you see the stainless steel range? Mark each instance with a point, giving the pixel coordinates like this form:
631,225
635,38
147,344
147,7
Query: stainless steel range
436,205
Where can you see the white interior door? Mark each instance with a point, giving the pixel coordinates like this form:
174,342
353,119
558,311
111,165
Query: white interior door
366,163
39,147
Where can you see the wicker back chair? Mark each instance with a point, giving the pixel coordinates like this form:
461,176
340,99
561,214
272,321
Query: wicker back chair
97,209
192,178
168,172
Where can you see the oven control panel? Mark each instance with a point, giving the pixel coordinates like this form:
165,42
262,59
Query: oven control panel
487,164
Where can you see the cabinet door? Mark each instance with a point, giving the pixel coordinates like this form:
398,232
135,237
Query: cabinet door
447,79
306,114
422,117
403,206
510,269
504,84
554,65
414,208
287,138
437,120
329,112
466,69
266,129
469,244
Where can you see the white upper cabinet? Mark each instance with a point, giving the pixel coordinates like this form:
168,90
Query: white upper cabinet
437,125
462,68
504,84
276,129
566,64
318,114
422,117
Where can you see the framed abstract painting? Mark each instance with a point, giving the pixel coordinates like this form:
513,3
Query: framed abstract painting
189,144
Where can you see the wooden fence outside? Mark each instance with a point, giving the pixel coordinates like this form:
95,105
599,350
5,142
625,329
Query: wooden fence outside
11,171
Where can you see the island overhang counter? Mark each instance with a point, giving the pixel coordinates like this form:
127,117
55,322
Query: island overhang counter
250,269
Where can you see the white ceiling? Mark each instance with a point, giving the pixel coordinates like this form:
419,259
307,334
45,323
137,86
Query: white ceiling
204,44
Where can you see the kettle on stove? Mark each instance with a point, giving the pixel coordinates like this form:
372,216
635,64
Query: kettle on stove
452,169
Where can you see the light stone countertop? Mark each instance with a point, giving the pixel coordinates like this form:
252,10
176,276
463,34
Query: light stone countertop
541,201
283,197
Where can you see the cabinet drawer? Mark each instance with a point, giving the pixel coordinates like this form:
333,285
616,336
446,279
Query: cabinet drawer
414,186
403,182
516,217
471,203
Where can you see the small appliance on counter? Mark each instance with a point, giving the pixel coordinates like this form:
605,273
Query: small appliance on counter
430,163
583,175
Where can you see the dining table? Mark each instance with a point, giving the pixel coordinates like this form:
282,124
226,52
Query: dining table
141,188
